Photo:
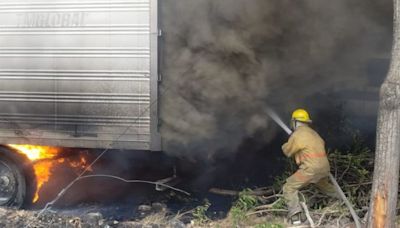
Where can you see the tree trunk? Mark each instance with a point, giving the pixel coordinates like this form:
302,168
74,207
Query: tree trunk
382,210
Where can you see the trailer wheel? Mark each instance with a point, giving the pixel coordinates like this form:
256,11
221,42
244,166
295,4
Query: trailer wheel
12,184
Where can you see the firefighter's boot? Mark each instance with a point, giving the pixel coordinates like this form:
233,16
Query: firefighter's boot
297,219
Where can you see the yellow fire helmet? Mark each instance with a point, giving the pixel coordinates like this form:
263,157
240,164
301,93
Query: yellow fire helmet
301,115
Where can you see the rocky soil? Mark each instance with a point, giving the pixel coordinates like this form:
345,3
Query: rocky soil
149,216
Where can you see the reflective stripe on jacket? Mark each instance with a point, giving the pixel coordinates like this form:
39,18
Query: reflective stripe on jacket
308,149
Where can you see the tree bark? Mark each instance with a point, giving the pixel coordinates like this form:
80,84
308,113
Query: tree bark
382,210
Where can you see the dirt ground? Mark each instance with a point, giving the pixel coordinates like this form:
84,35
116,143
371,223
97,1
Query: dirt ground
153,218
52,219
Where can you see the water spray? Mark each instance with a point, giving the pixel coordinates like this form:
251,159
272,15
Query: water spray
271,113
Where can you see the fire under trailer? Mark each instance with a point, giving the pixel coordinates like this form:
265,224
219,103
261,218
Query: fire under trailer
78,74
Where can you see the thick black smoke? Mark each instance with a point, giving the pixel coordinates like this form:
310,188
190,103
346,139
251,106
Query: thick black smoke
224,60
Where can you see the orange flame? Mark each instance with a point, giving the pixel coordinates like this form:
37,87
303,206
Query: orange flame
42,169
81,164
35,153
44,160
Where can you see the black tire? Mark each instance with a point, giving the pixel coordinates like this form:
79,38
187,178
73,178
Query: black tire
23,174
13,184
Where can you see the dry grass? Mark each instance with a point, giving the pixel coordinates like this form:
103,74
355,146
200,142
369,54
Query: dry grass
160,218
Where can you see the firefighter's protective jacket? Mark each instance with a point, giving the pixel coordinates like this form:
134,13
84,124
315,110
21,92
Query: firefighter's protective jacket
308,149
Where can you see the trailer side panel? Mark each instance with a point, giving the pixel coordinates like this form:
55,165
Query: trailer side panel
79,73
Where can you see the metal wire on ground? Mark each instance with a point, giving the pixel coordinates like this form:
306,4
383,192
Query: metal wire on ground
81,175
48,205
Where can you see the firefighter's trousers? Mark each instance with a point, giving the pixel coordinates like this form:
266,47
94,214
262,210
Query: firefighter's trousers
301,179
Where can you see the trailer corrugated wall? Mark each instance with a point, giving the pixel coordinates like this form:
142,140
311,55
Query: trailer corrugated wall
79,73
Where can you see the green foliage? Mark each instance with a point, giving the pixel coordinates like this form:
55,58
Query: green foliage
269,225
238,215
244,203
200,213
280,204
353,170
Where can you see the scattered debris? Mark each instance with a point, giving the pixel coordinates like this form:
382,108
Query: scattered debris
256,192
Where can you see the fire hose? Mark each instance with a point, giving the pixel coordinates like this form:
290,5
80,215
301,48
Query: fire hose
339,190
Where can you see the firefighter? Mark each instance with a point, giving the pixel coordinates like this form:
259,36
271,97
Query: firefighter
308,150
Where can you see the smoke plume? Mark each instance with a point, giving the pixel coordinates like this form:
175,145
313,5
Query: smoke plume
225,60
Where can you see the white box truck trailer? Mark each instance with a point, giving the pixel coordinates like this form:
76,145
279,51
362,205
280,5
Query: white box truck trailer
76,73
